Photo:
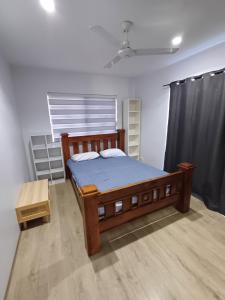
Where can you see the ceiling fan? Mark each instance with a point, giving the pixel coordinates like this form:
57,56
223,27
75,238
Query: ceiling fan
124,47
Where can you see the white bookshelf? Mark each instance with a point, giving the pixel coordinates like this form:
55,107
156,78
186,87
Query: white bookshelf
132,126
47,158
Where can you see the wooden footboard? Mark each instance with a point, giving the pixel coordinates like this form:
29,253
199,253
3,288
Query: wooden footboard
102,211
128,203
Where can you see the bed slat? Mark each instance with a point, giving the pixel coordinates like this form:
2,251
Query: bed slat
113,143
127,204
75,148
85,146
98,146
105,144
93,148
162,192
109,210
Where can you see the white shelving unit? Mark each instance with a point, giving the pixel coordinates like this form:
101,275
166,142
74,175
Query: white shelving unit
132,125
47,158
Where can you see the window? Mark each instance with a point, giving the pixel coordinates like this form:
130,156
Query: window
81,114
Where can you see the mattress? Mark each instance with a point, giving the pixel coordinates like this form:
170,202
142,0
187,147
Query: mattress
110,173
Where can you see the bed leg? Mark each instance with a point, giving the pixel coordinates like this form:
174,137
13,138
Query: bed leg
91,225
184,203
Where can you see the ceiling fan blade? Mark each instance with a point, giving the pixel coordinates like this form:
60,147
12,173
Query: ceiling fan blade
112,62
155,51
107,36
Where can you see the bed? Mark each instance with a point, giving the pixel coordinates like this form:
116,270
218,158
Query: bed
114,191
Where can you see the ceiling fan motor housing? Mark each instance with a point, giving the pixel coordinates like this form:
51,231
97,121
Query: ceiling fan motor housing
126,52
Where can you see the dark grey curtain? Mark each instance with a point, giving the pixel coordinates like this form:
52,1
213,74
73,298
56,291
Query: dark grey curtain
196,133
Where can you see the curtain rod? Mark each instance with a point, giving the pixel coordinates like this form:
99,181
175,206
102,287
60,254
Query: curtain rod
212,73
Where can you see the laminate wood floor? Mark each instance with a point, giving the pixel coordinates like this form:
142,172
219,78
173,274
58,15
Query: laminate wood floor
165,255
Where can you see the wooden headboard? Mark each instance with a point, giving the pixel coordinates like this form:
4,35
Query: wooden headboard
79,144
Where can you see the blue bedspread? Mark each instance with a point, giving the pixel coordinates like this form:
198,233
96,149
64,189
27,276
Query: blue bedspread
108,173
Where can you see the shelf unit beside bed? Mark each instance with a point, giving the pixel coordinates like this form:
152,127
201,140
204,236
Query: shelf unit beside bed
47,158
131,124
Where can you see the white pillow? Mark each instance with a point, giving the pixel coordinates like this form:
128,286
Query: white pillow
114,152
85,156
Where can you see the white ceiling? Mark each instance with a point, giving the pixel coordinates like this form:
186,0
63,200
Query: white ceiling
29,36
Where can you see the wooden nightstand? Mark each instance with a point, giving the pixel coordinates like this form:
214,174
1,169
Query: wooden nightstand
33,202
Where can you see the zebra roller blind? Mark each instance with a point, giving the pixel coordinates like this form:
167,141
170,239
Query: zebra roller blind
81,114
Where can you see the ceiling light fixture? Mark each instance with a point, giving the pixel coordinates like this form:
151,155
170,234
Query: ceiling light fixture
48,5
177,40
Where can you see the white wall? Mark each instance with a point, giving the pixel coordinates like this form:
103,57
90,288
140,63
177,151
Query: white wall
155,99
13,171
32,85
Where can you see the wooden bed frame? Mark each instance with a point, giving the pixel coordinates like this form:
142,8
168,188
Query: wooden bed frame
172,189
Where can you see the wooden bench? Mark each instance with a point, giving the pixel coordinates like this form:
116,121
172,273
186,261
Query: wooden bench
33,202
